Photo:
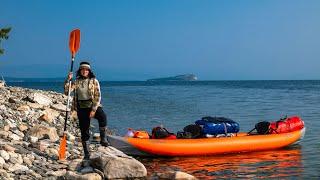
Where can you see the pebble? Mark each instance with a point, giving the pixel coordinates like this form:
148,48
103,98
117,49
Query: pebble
4,174
27,161
19,133
23,127
53,152
24,108
34,105
56,167
4,155
4,134
59,107
18,167
6,128
9,148
56,173
12,100
20,159
13,160
2,161
71,137
6,166
14,137
41,145
36,175
33,139
10,124
13,155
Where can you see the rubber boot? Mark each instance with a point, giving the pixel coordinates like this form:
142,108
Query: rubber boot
103,140
85,145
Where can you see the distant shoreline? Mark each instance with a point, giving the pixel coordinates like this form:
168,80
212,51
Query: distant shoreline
47,80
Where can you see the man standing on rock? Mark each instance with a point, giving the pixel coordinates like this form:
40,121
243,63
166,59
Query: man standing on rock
86,102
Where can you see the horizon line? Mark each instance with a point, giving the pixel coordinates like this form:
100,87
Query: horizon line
60,79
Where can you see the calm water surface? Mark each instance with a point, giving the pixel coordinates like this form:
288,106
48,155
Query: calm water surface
143,105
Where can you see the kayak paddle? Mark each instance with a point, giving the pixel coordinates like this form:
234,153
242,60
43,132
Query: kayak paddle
74,44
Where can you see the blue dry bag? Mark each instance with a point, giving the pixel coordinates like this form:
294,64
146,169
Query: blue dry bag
218,125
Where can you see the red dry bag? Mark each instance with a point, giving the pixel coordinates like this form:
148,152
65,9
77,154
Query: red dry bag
286,125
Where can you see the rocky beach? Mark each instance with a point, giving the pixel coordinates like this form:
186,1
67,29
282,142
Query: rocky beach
31,124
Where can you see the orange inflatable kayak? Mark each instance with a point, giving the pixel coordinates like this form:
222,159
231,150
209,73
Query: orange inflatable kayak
204,146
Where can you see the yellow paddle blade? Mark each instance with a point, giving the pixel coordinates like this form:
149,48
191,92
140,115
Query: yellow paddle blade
63,145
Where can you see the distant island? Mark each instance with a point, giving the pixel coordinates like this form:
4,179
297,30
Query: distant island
184,77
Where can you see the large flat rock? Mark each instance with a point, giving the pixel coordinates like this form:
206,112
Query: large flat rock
116,165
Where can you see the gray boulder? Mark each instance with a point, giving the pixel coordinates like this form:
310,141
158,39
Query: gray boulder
117,165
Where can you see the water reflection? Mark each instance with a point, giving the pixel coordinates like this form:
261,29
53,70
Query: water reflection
281,163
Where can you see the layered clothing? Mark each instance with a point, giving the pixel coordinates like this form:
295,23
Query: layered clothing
93,88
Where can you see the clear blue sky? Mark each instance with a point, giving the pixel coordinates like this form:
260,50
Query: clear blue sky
141,39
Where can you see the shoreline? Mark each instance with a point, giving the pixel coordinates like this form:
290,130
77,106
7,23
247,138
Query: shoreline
31,126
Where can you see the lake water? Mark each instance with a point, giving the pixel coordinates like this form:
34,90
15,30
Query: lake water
143,105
